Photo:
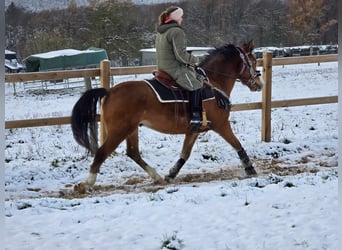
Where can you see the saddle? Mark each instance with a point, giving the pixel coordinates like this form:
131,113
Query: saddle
166,80
167,90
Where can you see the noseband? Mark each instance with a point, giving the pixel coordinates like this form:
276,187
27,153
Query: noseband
247,64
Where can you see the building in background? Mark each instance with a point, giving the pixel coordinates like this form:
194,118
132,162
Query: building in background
148,56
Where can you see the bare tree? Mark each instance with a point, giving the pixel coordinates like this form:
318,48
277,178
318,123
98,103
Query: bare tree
123,28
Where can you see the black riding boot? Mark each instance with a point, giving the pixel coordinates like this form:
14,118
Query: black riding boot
195,109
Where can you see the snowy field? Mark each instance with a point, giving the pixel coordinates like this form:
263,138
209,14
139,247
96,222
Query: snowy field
291,204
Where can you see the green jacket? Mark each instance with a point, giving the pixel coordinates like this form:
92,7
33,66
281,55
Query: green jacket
173,58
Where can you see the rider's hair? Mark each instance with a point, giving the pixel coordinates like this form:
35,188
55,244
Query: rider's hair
165,14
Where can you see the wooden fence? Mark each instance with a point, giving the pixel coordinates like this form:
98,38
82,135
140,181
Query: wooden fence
105,72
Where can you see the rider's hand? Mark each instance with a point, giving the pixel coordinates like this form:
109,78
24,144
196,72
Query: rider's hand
200,71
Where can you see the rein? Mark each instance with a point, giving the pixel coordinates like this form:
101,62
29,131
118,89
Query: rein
221,73
246,64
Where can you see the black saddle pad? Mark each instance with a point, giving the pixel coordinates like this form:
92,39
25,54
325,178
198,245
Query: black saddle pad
166,95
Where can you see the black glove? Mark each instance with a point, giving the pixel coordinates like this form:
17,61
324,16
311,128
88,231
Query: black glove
200,71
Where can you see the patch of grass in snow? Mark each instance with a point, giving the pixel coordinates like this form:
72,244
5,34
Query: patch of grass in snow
155,197
172,242
286,141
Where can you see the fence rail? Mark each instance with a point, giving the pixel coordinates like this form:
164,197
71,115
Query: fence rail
105,72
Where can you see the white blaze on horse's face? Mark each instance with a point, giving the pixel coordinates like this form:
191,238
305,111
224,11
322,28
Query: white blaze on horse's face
249,74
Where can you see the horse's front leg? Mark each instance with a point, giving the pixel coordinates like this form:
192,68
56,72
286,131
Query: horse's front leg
227,133
188,143
246,162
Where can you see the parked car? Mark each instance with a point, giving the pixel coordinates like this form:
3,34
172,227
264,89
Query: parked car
12,64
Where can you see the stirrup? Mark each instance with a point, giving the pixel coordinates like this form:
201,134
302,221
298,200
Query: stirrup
197,125
196,122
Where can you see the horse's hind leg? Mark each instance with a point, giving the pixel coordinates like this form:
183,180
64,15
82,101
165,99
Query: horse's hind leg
133,152
188,143
101,155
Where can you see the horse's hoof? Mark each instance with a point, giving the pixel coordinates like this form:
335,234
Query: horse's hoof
80,188
160,181
250,171
168,178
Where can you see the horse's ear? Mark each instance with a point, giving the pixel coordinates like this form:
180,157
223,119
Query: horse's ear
250,46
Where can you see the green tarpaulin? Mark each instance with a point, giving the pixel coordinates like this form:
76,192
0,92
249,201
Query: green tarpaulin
65,59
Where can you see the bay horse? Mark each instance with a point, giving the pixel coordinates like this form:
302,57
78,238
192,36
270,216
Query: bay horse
131,104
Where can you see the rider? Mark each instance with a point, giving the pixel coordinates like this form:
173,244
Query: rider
173,59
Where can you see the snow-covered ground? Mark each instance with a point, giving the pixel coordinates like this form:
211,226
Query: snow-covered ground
292,204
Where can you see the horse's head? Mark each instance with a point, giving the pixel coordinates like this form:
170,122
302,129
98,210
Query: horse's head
249,75
227,63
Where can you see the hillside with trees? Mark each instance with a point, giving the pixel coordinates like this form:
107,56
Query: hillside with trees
123,28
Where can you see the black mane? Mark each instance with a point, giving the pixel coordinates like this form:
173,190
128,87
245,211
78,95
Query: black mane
228,51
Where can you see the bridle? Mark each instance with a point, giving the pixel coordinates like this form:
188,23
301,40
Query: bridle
247,64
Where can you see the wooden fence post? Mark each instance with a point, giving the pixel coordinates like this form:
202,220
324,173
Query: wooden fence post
266,97
105,83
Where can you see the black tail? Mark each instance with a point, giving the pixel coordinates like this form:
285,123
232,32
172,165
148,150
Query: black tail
83,116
